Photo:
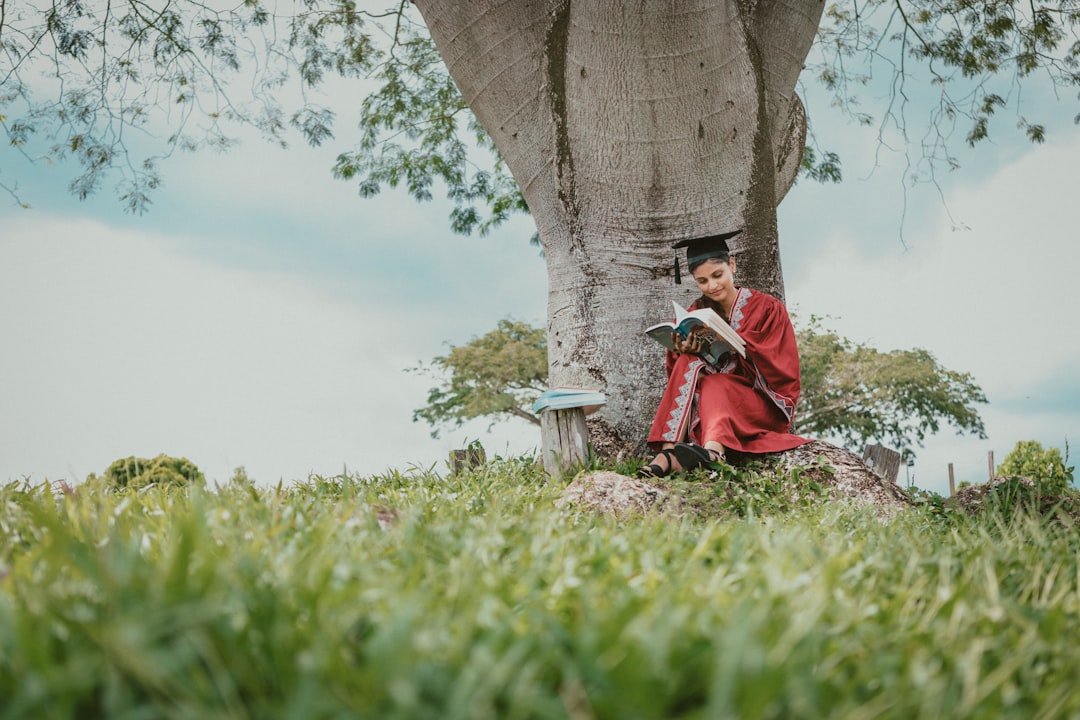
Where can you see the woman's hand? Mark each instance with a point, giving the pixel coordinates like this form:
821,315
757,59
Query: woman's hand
693,344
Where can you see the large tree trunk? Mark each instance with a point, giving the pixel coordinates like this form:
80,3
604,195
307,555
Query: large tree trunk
629,125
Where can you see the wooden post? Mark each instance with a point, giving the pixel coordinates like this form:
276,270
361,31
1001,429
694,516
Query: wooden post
990,463
883,461
952,482
564,440
466,459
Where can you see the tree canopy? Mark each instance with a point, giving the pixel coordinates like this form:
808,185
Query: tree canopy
500,373
118,87
857,394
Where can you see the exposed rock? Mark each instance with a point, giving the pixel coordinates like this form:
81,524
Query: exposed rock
610,492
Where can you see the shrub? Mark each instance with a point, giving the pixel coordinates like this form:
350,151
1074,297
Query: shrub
1043,465
163,470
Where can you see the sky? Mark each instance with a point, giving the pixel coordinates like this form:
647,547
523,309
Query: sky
263,315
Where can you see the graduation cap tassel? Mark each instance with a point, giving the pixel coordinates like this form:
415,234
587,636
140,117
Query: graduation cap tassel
678,275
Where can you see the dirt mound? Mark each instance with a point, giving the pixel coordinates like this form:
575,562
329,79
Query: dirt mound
844,473
1017,492
840,474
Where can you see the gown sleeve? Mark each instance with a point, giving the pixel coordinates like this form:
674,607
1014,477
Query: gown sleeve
771,351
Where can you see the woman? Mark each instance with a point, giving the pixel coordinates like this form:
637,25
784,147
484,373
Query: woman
742,404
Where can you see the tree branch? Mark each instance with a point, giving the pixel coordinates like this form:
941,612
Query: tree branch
518,412
13,192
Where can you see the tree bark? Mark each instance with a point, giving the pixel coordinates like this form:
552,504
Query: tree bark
629,125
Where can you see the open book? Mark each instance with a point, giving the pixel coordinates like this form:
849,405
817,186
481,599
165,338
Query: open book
720,338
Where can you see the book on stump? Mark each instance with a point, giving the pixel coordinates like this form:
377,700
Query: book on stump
562,398
720,338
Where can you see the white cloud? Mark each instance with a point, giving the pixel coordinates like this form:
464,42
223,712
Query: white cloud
117,346
261,315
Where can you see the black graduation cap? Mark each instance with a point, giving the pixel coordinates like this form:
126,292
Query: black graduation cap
698,250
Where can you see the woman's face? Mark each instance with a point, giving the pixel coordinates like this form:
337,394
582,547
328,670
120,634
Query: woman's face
716,280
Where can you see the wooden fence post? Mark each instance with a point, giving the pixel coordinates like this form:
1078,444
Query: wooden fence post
467,459
883,461
564,440
952,482
990,463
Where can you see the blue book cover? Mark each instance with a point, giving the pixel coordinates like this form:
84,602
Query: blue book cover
561,398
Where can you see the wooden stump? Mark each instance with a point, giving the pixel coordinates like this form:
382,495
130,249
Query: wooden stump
466,459
564,440
883,461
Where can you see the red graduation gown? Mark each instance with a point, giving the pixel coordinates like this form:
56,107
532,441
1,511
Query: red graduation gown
746,404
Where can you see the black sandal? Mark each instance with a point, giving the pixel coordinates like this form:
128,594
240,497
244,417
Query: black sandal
652,470
693,456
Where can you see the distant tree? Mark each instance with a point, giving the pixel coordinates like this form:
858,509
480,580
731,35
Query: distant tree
858,394
133,472
1044,465
850,392
495,375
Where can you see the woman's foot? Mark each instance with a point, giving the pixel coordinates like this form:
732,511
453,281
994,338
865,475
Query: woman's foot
692,456
655,469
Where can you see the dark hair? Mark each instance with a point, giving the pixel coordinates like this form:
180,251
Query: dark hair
720,257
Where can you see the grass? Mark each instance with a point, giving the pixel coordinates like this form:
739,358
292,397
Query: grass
423,596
